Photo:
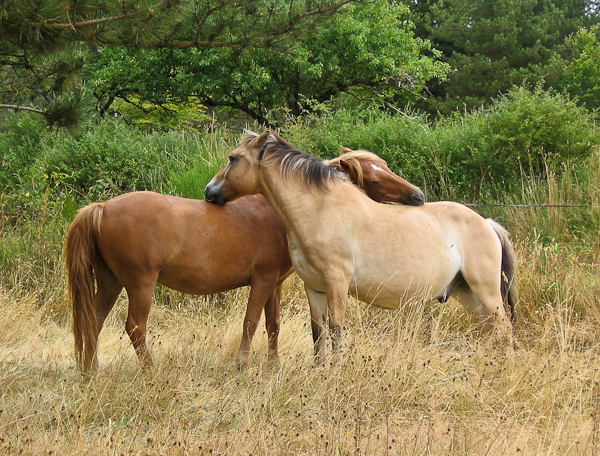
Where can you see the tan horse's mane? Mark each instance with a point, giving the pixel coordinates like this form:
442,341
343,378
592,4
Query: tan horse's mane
277,150
352,160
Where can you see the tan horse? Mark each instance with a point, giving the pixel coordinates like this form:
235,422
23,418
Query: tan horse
341,241
136,240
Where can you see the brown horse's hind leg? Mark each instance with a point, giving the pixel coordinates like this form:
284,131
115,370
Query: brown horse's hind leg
272,318
261,291
108,291
140,301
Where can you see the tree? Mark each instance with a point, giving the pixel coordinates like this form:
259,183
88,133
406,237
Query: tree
492,46
581,75
45,47
369,52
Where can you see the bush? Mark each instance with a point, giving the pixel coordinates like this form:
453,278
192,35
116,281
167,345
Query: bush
19,147
108,159
481,155
475,155
534,130
398,139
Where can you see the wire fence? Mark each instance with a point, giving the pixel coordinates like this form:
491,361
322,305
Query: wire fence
576,206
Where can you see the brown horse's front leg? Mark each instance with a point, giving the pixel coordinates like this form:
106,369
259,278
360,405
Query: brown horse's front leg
261,291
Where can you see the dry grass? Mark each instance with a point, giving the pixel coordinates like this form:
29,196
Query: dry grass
414,382
420,381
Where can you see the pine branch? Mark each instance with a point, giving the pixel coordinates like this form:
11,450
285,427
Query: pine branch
22,108
92,22
81,24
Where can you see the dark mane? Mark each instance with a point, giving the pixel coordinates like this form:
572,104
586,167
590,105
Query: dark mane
292,160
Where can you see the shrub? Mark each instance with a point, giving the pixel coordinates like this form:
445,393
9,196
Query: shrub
108,159
19,147
398,139
482,154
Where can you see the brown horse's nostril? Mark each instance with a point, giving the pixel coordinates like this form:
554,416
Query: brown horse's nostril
419,198
212,195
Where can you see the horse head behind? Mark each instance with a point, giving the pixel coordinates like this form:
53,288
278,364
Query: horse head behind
241,176
371,173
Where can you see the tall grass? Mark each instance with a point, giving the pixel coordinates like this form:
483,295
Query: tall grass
421,380
417,381
199,165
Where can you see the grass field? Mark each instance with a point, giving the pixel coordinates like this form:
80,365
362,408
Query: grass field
419,381
413,382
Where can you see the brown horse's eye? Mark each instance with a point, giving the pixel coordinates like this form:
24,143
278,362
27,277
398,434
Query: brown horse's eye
374,183
232,159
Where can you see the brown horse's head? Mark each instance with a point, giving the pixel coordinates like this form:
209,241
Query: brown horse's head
241,175
371,173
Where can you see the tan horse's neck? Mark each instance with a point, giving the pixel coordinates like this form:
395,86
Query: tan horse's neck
297,208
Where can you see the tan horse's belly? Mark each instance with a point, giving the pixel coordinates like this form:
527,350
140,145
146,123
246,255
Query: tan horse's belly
392,280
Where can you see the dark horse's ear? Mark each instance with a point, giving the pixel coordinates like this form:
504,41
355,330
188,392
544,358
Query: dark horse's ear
259,141
345,150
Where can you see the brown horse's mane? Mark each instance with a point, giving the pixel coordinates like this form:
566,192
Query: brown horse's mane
291,159
352,160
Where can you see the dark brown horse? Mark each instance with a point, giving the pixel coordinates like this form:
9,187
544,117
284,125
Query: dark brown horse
138,239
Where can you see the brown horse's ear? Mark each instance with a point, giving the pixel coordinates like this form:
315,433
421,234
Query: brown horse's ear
259,141
345,150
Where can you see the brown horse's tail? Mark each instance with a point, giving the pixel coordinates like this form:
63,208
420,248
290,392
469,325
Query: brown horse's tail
508,280
82,259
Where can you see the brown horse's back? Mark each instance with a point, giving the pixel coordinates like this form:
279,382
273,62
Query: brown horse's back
190,245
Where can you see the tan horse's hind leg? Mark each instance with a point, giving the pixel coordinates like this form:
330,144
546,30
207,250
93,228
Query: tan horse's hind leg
140,301
485,305
263,295
482,292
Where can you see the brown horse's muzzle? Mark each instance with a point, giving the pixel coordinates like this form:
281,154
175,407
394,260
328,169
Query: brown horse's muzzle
416,199
212,193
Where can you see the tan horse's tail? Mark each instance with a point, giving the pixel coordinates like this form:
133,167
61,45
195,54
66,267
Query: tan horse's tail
82,258
508,280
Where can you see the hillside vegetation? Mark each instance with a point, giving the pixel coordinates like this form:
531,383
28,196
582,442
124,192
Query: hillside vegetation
421,380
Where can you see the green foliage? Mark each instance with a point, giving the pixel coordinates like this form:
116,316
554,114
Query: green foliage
478,155
190,174
369,51
106,160
19,147
539,129
581,75
46,48
493,46
473,156
396,138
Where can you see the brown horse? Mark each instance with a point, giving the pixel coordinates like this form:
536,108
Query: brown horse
138,239
342,242
371,172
